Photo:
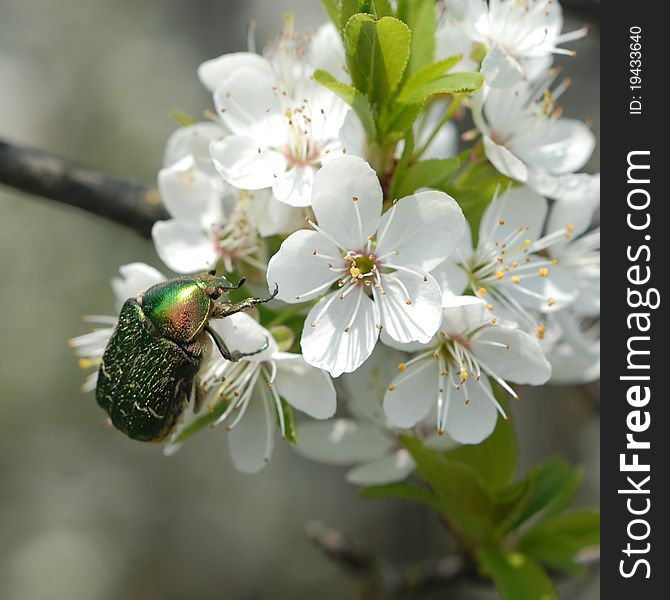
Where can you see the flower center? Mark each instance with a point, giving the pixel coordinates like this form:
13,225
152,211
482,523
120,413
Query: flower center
362,266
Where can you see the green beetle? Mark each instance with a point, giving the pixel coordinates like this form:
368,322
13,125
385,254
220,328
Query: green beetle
149,370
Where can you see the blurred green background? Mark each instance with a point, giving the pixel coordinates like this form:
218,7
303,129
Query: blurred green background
84,513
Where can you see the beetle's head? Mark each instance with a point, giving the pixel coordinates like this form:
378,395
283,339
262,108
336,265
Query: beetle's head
215,285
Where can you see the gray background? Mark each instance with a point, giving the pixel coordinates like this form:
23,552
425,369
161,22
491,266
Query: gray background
84,514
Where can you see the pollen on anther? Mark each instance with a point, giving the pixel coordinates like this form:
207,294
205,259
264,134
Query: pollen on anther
392,388
543,271
354,198
501,222
551,301
347,329
516,279
408,302
402,367
482,291
540,331
500,275
489,306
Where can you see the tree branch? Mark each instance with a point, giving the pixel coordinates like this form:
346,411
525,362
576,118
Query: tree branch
388,580
129,203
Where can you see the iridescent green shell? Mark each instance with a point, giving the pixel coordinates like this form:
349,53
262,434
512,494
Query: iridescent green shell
145,379
179,308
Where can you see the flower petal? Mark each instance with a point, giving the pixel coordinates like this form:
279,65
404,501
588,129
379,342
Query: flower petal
269,215
135,278
304,387
294,186
515,207
326,344
364,389
342,442
394,467
245,164
326,51
184,247
191,195
463,314
300,268
500,69
347,201
411,306
423,229
578,187
247,102
503,160
413,393
577,213
471,416
521,362
560,286
193,140
251,441
241,332
565,148
213,72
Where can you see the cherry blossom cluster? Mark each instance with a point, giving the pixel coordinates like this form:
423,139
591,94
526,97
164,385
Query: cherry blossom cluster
415,311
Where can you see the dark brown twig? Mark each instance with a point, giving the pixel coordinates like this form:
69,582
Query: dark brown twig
35,172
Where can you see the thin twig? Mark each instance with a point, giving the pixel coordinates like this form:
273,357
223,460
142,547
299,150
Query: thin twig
35,172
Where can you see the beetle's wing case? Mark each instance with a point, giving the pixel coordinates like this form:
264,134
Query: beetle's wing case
144,379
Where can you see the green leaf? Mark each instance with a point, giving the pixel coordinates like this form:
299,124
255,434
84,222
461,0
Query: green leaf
464,82
517,576
348,8
420,16
557,541
402,490
377,54
427,74
382,8
552,486
463,499
427,173
352,97
494,459
181,117
402,121
206,418
332,7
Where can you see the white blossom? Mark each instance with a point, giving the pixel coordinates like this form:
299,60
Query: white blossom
508,268
526,138
451,373
377,263
247,394
283,125
364,439
521,36
213,222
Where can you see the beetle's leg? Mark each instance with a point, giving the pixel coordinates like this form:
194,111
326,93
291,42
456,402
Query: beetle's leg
222,311
235,355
